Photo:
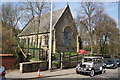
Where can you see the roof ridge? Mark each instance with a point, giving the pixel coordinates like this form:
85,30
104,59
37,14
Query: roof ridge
61,14
49,12
57,15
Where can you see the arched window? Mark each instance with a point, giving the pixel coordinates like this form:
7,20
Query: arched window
67,36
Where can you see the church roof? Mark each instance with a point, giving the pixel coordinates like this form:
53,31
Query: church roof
32,26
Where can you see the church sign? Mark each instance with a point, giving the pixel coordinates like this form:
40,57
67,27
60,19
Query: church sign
82,51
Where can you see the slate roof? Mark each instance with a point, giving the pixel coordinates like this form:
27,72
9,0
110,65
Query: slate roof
32,26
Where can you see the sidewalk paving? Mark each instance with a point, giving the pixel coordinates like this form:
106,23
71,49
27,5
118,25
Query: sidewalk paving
16,74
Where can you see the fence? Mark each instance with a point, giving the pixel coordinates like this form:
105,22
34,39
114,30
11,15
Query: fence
72,57
65,60
36,53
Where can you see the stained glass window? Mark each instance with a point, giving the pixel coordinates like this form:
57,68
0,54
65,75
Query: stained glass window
67,36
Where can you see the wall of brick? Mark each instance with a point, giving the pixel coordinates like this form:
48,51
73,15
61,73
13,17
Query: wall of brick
8,61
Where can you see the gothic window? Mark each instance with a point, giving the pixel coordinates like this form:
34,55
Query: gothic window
67,36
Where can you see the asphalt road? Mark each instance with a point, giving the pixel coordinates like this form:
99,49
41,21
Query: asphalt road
70,74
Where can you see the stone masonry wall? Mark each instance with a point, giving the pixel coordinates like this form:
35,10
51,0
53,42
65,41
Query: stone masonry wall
33,66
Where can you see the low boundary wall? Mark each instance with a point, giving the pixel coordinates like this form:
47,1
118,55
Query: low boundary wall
33,66
72,64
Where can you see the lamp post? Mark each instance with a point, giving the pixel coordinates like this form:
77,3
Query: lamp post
50,39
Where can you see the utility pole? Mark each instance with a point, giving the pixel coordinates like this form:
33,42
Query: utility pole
50,39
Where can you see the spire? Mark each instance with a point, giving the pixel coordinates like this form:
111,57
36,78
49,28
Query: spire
67,3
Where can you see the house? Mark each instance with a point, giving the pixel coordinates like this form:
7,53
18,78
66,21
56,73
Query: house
64,32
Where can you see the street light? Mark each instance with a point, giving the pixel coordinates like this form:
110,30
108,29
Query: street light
50,39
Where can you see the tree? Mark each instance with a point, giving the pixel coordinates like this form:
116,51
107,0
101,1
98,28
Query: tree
9,42
106,32
85,17
10,18
11,15
36,9
98,29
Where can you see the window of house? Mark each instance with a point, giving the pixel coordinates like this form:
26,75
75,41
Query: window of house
32,41
23,41
46,40
28,41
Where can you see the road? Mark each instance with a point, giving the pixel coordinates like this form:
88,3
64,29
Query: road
61,74
70,73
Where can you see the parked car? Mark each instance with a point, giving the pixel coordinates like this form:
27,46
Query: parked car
110,63
2,73
90,65
118,62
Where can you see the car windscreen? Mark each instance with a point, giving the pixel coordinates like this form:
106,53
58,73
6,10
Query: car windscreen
87,60
117,60
110,61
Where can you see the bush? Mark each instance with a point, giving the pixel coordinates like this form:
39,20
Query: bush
9,42
35,59
67,54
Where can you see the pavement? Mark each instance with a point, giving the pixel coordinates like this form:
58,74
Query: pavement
16,74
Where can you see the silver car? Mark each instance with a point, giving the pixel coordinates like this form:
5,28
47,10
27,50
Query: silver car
2,73
90,65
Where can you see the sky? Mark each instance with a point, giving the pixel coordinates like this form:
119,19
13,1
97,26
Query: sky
110,8
119,14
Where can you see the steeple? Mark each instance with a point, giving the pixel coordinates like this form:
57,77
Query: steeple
67,3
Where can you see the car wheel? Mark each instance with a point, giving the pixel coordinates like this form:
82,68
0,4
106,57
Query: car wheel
114,67
77,72
119,65
92,73
103,71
